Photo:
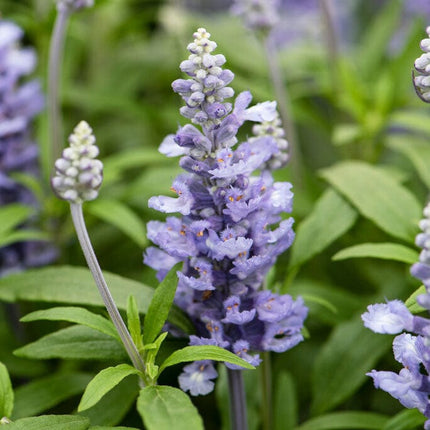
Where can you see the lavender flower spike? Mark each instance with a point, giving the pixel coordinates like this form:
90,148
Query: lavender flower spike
257,14
411,386
228,230
78,173
422,66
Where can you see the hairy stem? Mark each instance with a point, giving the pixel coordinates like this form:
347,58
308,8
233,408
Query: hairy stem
284,105
90,256
237,400
54,71
266,379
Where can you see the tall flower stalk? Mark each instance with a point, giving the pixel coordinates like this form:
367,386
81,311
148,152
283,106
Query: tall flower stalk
78,178
230,231
64,9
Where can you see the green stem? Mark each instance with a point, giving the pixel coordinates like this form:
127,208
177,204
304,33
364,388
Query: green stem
285,110
54,71
93,264
266,379
237,400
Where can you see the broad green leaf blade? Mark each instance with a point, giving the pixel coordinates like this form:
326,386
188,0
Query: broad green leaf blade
45,393
314,234
406,420
103,382
163,408
74,343
377,196
72,286
285,410
416,149
346,420
160,305
411,301
6,393
341,366
23,235
13,215
74,315
203,352
120,216
114,406
51,422
111,428
386,251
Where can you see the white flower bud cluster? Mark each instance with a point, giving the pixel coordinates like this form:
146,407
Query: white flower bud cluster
274,129
422,65
79,174
205,92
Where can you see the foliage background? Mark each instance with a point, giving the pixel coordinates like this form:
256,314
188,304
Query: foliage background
362,177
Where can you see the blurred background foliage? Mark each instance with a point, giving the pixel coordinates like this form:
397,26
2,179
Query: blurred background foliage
357,108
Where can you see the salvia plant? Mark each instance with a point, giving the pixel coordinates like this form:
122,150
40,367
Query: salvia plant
247,312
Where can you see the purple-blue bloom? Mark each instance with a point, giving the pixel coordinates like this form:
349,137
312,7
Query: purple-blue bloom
411,386
19,103
230,231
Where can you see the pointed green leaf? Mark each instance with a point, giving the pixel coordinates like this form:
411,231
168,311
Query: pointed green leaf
74,315
314,233
72,286
6,393
120,216
346,420
203,352
341,366
160,305
387,251
103,382
405,420
13,215
22,235
411,301
111,428
45,393
416,149
377,196
163,408
133,322
75,343
51,422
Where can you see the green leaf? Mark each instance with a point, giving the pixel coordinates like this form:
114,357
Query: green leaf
163,408
417,150
411,301
346,420
133,322
111,428
160,305
314,234
341,366
405,420
203,352
285,410
103,382
22,235
114,406
120,216
74,315
51,422
72,286
387,251
13,215
6,393
74,343
45,393
377,196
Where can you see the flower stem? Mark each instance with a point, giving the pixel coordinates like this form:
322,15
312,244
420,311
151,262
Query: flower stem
54,70
90,256
284,104
237,400
266,378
